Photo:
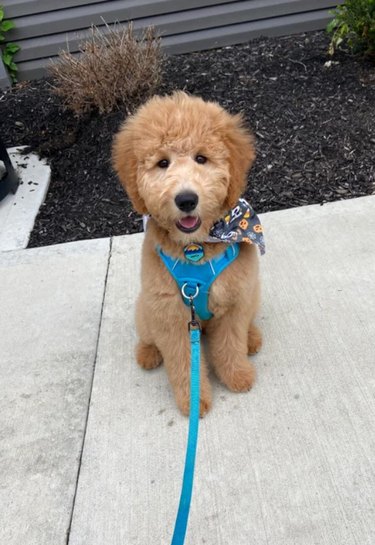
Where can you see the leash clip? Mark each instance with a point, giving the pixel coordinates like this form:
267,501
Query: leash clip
194,323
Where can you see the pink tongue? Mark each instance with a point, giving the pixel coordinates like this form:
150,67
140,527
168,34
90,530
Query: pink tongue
189,222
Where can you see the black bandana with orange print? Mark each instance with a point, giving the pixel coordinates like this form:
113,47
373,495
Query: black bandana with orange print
240,224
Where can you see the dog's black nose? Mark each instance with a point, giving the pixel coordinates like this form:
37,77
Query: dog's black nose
186,201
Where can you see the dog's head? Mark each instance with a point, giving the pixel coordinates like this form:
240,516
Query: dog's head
184,161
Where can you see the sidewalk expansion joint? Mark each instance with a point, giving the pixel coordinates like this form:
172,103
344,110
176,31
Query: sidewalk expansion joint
89,400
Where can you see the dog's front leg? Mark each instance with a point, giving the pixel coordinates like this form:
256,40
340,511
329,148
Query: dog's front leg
228,348
174,345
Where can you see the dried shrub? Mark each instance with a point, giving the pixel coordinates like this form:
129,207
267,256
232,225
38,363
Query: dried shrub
112,69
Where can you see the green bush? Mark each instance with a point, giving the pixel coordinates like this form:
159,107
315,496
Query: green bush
8,50
354,23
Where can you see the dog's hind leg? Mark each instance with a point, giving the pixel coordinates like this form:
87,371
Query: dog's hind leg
254,335
254,339
228,346
147,355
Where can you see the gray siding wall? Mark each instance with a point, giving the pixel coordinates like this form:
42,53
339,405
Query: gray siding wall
44,27
4,78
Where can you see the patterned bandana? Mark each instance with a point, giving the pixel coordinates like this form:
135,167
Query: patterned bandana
241,224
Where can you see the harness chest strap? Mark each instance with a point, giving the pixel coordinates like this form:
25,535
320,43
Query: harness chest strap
196,279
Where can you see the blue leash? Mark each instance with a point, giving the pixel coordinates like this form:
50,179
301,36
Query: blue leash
191,449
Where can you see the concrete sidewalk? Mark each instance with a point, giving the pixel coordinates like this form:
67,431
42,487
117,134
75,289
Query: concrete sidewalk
92,447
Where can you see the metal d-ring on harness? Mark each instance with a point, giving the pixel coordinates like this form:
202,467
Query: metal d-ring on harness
191,449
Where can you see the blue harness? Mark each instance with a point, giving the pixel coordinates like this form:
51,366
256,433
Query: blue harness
195,280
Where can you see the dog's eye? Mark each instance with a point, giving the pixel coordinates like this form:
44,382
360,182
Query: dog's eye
164,163
201,159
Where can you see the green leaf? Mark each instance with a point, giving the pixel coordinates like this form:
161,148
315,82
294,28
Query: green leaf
331,25
339,40
12,48
1,14
13,67
6,25
7,58
344,29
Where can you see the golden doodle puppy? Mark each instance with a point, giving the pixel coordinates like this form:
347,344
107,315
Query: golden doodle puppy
184,162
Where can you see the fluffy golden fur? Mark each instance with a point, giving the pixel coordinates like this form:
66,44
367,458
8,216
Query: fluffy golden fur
179,128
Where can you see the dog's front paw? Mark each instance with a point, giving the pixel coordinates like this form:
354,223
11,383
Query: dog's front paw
147,355
239,377
183,402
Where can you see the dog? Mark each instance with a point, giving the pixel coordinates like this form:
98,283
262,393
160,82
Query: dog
184,162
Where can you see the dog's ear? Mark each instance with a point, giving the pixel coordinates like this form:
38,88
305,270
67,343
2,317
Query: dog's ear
240,143
125,164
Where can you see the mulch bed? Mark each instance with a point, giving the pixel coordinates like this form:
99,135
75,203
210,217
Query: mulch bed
314,126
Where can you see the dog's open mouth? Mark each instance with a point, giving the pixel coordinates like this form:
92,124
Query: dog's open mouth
189,224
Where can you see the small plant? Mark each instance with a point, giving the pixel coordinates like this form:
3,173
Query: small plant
113,69
354,23
8,50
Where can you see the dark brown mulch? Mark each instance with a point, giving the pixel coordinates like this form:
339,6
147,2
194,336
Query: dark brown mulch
315,130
